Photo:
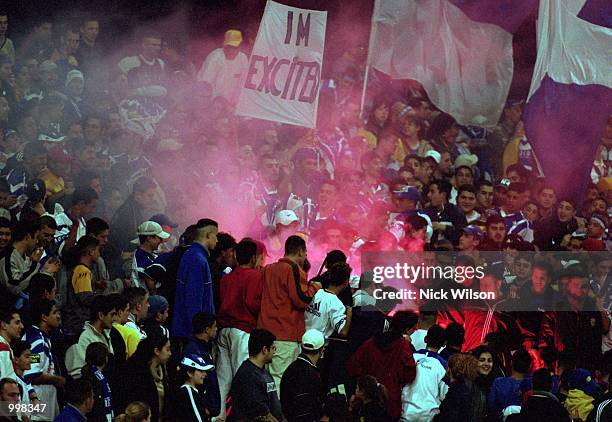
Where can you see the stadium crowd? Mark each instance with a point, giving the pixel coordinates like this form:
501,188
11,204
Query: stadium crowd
119,302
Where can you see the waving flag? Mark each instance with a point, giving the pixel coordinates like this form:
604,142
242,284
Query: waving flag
571,92
459,50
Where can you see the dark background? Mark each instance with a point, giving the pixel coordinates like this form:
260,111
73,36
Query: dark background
200,24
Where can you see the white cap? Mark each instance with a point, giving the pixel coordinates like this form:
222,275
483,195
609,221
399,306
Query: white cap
286,217
435,155
150,228
313,340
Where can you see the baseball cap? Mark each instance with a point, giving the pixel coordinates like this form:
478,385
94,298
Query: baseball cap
408,192
196,362
572,268
599,220
233,37
473,230
47,66
468,160
150,228
157,304
503,183
313,340
435,155
285,217
581,379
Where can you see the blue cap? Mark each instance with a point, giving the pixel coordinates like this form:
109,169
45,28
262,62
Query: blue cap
473,230
408,192
581,379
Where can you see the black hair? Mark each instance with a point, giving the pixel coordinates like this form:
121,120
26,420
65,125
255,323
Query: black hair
435,337
22,230
201,321
417,222
39,284
120,300
246,249
225,241
440,124
96,225
42,308
156,339
84,178
373,390
5,222
544,265
101,304
96,354
517,187
339,274
135,295
7,314
443,186
484,183
455,335
189,235
294,245
402,321
47,221
20,346
259,339
494,219
542,380
466,188
85,195
521,361
205,222
78,391
519,169
333,257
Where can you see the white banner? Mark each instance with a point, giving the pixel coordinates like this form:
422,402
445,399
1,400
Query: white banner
282,83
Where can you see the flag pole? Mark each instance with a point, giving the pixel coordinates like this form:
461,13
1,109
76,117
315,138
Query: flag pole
369,57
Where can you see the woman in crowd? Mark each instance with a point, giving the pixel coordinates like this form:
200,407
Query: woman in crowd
188,404
369,402
463,402
145,378
135,412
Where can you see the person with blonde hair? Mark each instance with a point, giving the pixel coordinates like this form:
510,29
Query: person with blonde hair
136,411
458,404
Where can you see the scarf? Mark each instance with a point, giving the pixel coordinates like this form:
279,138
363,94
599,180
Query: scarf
106,393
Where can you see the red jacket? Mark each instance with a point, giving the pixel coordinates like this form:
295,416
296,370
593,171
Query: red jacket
390,361
286,294
240,294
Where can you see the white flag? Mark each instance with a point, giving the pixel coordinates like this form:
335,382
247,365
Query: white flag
282,83
465,66
571,50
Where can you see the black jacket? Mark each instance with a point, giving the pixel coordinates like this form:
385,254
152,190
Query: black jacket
457,405
302,392
542,406
185,403
451,214
137,384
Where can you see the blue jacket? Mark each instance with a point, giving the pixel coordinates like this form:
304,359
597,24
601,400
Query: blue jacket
194,292
210,389
70,414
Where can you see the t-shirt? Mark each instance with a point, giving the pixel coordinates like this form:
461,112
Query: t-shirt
82,279
224,75
254,393
326,313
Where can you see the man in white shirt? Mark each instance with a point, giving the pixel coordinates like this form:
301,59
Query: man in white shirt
421,399
225,67
326,313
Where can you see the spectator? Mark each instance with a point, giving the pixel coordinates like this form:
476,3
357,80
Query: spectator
194,291
253,388
138,298
147,65
286,294
241,301
447,219
80,398
188,404
388,358
222,262
43,374
96,359
158,312
135,412
225,67
147,366
10,330
507,391
421,399
302,388
22,362
458,404
582,392
6,45
542,404
205,334
103,311
455,337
